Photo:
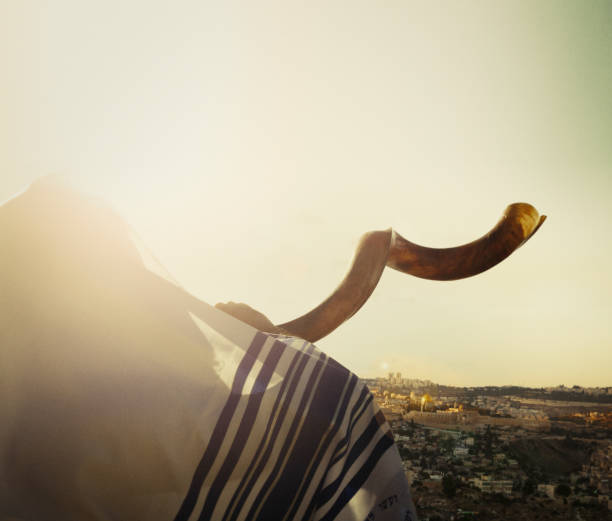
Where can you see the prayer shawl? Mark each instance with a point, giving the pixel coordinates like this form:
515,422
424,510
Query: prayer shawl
123,397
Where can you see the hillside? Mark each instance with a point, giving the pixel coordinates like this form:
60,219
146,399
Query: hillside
554,456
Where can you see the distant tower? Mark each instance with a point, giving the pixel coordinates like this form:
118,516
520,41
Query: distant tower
390,378
398,377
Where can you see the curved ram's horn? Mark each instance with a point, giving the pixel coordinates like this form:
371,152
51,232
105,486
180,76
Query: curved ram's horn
387,248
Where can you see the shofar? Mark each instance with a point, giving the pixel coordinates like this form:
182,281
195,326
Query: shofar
387,248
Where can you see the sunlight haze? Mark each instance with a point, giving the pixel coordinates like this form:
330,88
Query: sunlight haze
250,145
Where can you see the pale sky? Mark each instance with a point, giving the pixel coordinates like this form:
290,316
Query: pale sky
251,145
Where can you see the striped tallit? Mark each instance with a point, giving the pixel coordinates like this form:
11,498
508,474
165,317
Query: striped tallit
126,398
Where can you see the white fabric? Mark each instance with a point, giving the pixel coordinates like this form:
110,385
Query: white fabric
125,398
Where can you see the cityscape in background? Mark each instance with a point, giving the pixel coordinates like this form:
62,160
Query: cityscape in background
501,453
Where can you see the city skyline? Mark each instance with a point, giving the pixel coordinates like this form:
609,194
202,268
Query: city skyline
250,147
410,381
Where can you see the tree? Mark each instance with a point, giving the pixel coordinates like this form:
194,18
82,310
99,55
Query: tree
563,490
447,444
529,487
488,443
449,485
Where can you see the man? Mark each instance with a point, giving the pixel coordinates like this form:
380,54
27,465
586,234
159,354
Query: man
126,398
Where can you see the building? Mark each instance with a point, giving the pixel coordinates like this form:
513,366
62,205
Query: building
499,458
490,486
460,451
547,489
